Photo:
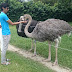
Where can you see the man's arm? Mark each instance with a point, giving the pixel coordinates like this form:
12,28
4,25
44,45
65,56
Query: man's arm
15,23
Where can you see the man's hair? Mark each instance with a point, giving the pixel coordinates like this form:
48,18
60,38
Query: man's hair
4,5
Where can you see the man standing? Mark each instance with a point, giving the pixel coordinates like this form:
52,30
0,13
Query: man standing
5,21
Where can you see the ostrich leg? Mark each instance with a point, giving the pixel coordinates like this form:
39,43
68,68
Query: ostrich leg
35,48
49,57
32,45
56,47
20,26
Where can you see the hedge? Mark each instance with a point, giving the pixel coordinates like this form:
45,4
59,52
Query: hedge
38,10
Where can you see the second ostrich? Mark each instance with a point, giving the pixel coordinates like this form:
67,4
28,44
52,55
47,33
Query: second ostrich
50,30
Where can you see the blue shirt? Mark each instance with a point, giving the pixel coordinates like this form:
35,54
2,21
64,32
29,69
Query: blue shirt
5,26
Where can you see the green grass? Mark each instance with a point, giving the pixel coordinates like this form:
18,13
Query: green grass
21,64
64,57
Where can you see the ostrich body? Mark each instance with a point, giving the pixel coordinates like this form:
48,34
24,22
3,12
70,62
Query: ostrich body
50,30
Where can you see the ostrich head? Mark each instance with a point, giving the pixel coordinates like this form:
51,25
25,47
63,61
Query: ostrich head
21,18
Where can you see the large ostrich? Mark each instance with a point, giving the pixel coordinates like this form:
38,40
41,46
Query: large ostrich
20,30
50,30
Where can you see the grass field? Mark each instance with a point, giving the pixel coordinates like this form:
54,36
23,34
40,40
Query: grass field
64,56
21,64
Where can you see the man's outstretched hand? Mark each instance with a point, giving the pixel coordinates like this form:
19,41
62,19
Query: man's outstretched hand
23,21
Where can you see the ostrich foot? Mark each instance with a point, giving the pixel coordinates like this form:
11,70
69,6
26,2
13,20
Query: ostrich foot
30,50
47,60
34,55
55,63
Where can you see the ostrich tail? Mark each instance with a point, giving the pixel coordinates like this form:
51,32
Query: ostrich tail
59,38
69,33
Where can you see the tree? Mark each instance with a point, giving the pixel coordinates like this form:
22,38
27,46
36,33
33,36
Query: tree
65,3
51,2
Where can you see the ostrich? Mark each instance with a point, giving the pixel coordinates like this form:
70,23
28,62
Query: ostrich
50,30
20,30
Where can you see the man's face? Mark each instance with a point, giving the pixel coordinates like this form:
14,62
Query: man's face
5,9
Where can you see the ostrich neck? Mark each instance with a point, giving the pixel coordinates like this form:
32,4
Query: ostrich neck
26,29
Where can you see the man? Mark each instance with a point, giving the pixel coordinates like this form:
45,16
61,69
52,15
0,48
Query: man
5,21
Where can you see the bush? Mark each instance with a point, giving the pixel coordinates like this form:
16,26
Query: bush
61,12
16,10
38,10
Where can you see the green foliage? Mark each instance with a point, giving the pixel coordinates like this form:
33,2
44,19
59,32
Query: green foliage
51,2
16,9
65,3
36,10
39,10
62,12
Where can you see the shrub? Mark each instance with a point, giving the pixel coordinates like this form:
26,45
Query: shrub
38,10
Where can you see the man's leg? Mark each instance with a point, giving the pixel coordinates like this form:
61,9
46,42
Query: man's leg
6,39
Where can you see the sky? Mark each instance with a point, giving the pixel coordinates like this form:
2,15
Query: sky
26,0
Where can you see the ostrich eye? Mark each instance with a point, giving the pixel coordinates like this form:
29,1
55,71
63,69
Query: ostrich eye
24,16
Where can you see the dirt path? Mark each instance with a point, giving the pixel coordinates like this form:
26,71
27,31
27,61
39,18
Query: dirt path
37,58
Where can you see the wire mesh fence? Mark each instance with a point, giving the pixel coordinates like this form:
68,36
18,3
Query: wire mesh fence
52,45
64,48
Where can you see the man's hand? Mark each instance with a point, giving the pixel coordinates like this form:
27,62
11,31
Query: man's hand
23,21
